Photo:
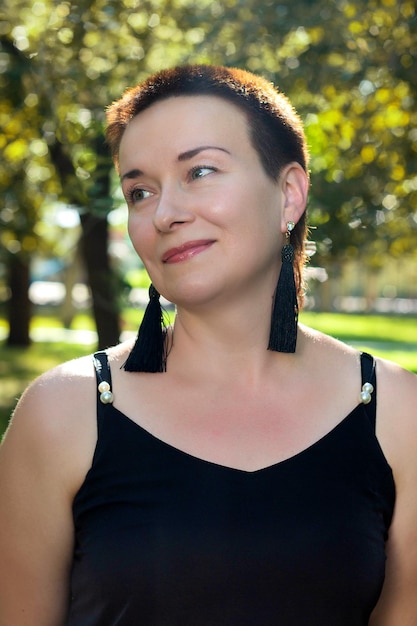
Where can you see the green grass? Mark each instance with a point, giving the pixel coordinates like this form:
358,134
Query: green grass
81,321
391,337
378,328
19,366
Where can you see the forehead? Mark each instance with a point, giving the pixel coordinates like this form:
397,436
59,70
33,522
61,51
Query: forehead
184,118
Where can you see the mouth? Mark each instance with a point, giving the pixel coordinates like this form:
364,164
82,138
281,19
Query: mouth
186,251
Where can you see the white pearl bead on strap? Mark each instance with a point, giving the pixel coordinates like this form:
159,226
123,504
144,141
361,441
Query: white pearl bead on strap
106,395
365,396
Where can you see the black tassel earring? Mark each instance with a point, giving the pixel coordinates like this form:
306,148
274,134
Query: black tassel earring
149,354
284,322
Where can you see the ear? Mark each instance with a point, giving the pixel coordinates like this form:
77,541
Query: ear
295,185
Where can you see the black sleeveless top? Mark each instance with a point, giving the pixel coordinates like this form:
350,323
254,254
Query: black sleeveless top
163,538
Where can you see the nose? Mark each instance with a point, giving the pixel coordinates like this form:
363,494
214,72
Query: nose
172,210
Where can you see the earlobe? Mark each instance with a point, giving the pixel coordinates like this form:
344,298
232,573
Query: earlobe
295,186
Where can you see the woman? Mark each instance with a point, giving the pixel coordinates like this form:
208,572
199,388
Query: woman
229,469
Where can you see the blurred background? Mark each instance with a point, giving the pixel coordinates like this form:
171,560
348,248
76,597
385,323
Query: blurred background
68,278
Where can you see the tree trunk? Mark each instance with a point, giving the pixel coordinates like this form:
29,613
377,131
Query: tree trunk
71,274
101,278
19,305
94,242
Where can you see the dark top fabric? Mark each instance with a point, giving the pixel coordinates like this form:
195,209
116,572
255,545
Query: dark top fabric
165,538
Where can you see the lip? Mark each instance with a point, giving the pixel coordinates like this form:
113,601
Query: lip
186,250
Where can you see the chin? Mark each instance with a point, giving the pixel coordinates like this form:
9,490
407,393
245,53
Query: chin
191,294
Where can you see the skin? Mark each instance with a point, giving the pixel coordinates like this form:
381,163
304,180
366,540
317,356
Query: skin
232,218
212,204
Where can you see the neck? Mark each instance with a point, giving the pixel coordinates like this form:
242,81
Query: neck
223,344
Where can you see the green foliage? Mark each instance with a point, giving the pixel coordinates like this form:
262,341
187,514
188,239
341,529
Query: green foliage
349,67
138,278
365,185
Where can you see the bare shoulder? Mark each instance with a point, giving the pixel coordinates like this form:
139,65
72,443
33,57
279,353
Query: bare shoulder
57,412
54,421
397,415
396,430
327,353
397,433
324,342
397,394
57,394
396,381
44,457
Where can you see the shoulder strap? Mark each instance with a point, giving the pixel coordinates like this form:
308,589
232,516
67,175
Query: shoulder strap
369,376
101,364
103,375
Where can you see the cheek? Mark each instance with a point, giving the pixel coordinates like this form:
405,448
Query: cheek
142,240
140,234
131,227
132,232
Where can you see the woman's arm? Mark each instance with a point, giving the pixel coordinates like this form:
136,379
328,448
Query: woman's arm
397,432
43,460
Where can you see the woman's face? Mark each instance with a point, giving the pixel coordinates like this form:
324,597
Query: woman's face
204,217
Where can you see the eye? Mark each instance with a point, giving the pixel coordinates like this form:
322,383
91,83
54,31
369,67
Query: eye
201,170
137,194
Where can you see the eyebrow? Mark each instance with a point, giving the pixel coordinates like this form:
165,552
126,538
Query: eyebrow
189,154
184,156
132,174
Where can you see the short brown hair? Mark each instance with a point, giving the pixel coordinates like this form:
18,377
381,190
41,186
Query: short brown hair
276,131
